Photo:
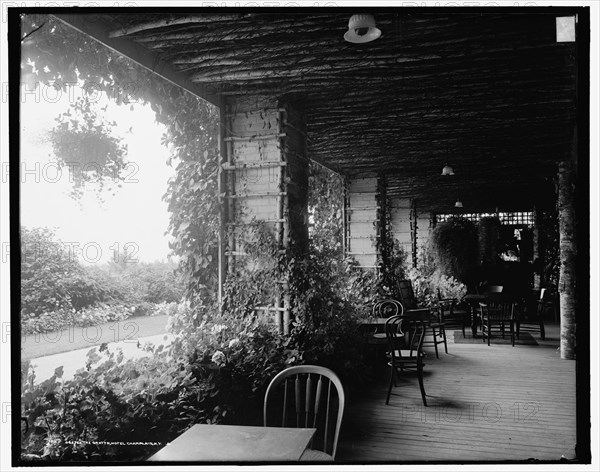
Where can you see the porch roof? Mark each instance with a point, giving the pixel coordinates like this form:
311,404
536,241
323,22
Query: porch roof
490,91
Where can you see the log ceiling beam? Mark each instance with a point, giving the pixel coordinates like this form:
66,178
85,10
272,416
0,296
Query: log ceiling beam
491,92
98,30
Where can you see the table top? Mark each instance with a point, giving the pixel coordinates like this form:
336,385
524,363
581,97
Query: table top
371,321
224,443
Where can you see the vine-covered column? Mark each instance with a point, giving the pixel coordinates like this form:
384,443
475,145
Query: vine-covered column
402,225
568,258
265,180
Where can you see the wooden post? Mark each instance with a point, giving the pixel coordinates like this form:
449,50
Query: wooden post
223,217
538,253
568,257
413,234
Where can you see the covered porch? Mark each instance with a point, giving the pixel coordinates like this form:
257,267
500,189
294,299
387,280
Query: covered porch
492,94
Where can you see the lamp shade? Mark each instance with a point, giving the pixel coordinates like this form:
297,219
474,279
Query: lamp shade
362,29
447,170
458,203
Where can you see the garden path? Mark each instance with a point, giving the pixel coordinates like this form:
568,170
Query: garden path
68,348
54,342
73,360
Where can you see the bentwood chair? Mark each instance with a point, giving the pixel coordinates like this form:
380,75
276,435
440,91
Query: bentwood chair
497,314
436,331
308,396
375,337
405,348
384,309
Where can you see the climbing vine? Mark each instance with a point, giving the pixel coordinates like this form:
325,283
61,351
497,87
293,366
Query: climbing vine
391,255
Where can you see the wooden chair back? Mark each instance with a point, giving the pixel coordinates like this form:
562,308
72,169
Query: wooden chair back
499,309
386,308
307,396
407,295
405,333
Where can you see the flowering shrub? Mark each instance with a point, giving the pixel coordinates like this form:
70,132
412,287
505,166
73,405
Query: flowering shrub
428,287
236,351
64,318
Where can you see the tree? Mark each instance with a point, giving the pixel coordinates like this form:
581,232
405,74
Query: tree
46,267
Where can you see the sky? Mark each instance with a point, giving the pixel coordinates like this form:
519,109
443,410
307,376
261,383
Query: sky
135,218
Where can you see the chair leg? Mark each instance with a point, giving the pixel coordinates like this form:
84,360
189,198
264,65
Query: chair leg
512,333
392,381
542,329
421,386
443,331
435,343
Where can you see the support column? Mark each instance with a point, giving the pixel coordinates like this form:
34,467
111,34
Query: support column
568,258
538,250
403,226
265,179
424,228
413,232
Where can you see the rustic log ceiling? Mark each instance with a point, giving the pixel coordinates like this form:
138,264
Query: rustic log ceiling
489,91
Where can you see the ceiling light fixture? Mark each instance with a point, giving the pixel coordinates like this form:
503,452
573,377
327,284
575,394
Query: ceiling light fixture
362,29
458,203
447,170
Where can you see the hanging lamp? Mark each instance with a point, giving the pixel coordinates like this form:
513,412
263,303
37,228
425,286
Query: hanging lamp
458,203
447,170
362,29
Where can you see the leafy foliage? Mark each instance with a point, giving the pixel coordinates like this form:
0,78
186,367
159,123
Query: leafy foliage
326,316
58,292
64,318
489,233
192,193
326,203
86,142
392,258
120,401
47,269
455,248
429,287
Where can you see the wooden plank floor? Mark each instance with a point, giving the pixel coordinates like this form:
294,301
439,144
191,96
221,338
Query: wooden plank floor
493,403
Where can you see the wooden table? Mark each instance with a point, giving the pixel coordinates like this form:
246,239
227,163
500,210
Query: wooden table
413,313
373,322
220,443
